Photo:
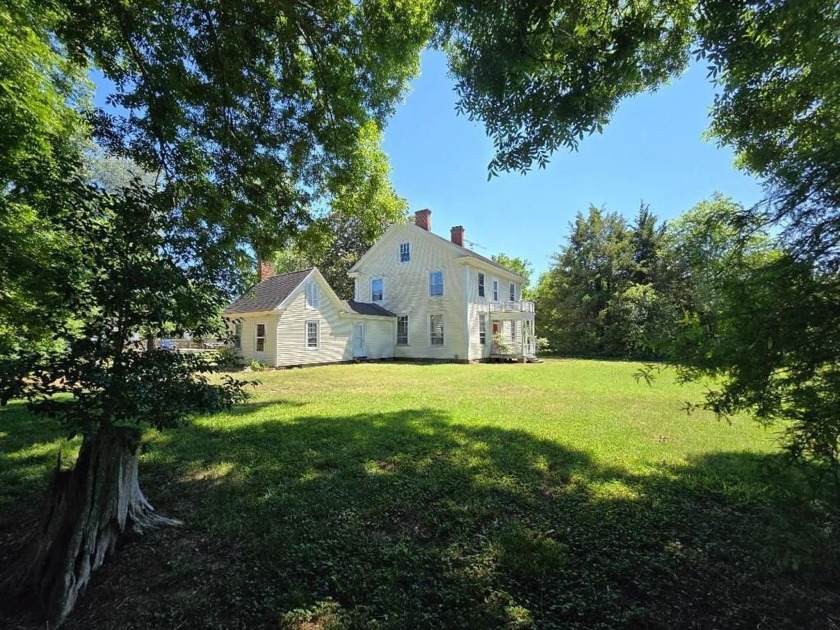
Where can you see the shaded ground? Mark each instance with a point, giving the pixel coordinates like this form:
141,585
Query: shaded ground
413,519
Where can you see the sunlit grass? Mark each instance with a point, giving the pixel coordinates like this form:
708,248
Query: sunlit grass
403,495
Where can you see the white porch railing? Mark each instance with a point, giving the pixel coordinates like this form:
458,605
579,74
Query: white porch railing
513,348
517,306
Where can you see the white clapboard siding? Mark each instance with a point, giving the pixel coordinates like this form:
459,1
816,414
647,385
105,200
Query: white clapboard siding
406,290
248,339
379,336
334,329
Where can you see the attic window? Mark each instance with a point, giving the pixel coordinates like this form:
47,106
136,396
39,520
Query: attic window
405,252
313,295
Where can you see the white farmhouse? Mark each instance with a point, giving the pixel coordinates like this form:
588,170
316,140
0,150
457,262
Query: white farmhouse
417,296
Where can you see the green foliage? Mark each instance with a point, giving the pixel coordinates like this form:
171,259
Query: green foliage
115,173
636,291
228,358
127,282
255,114
41,130
541,75
572,298
361,209
641,320
773,332
257,366
777,68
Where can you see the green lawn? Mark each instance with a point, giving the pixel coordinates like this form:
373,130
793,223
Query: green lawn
563,494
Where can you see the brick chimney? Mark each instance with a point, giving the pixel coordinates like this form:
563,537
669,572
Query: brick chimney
265,269
458,235
423,219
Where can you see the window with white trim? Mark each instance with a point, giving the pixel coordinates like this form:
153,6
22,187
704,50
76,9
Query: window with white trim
436,330
495,290
435,283
405,252
513,331
260,338
313,295
512,292
480,284
376,289
312,335
482,328
402,330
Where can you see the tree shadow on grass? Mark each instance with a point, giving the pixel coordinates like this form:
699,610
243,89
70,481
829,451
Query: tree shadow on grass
407,520
29,448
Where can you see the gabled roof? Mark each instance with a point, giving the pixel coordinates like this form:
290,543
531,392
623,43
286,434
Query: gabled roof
366,308
463,250
472,254
269,294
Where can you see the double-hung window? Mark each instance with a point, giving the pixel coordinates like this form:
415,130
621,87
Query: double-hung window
405,252
495,290
482,328
436,330
260,337
376,290
311,335
402,330
435,283
480,285
313,295
512,292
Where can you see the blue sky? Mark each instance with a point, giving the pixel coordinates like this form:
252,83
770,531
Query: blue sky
652,150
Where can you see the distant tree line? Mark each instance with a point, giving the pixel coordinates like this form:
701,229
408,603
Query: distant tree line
634,289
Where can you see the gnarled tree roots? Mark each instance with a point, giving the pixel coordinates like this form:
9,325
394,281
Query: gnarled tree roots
91,508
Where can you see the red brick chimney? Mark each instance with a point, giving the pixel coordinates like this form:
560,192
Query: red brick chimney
265,269
423,219
458,235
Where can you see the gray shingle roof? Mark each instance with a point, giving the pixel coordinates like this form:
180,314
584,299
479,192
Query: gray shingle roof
366,308
472,254
269,293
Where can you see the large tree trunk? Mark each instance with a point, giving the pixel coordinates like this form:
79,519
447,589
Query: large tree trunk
90,508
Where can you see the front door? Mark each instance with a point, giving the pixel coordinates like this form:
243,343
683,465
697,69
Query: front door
359,341
497,331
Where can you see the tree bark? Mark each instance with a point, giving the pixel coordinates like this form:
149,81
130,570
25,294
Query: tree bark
91,507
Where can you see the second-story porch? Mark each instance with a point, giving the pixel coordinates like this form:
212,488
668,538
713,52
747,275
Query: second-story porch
513,336
511,310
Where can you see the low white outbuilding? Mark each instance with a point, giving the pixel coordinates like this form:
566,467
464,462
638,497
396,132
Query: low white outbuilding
297,319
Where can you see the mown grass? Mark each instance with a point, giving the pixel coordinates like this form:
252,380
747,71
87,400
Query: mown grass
564,494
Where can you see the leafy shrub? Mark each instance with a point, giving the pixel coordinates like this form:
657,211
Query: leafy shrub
228,357
258,366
